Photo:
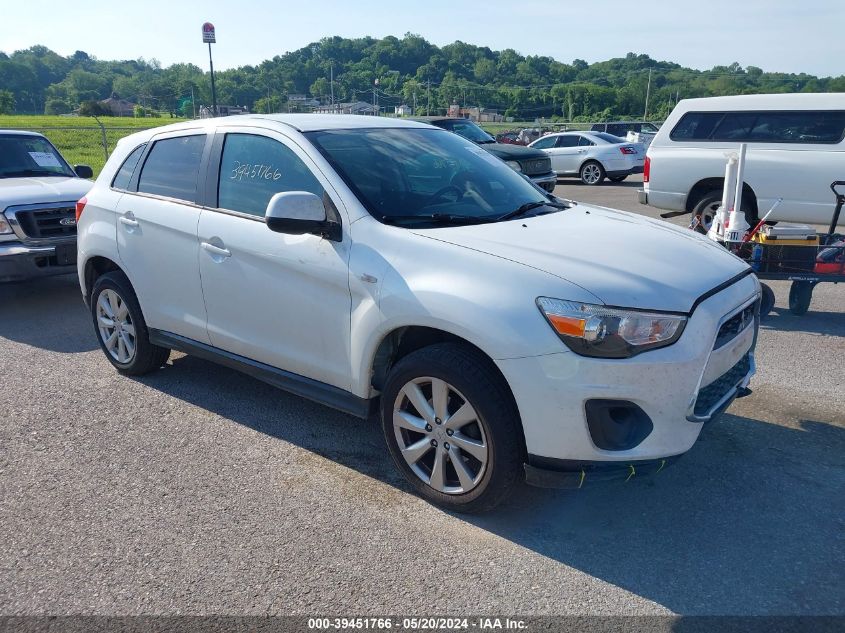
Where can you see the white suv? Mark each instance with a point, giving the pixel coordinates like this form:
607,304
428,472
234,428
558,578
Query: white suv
384,265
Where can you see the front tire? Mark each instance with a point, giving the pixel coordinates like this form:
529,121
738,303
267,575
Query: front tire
592,173
120,327
452,427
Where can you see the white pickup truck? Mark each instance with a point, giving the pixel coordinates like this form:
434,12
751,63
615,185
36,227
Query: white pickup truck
38,194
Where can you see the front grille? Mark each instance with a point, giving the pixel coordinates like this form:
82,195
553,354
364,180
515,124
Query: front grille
536,166
40,224
713,393
734,326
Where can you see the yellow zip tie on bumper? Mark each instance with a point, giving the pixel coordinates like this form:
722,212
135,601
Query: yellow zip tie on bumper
583,475
633,472
662,464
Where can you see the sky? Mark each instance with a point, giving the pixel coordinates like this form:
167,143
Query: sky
775,35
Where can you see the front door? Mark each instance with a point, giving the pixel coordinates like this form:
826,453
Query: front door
282,300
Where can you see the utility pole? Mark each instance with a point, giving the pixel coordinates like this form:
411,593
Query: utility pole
375,85
415,101
428,106
331,81
193,105
268,99
647,91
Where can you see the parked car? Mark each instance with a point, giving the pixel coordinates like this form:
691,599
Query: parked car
532,163
38,194
376,264
508,138
795,149
592,155
632,131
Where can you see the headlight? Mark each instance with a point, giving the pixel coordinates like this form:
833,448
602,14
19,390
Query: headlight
5,229
514,165
593,330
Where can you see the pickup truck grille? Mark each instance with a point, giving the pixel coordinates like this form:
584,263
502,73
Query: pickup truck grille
536,166
47,223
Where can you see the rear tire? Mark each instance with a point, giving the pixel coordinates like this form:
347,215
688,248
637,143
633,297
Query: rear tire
800,296
592,173
120,327
447,402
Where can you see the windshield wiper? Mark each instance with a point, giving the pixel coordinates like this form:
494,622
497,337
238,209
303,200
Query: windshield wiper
528,206
440,218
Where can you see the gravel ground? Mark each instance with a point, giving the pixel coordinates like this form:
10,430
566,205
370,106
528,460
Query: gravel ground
196,490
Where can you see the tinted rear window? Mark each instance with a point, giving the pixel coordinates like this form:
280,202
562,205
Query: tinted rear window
124,174
171,168
610,138
762,127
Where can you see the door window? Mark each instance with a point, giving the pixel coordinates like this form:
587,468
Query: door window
254,168
545,143
171,168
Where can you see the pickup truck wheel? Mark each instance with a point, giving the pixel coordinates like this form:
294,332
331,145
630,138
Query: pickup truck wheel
452,427
121,329
705,210
592,173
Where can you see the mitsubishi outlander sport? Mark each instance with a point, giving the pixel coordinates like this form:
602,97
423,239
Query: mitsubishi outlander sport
384,265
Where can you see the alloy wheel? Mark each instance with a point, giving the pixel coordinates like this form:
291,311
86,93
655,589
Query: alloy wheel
591,173
440,435
115,325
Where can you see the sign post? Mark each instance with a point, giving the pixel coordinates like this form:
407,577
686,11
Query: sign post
208,37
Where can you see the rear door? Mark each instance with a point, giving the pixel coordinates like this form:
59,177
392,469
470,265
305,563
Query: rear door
157,233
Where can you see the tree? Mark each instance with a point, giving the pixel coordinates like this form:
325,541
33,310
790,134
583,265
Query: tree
7,102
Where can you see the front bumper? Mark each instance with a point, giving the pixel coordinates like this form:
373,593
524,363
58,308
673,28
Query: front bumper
552,391
19,261
560,473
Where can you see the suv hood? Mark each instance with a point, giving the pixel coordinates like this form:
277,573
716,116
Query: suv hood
625,260
513,152
17,191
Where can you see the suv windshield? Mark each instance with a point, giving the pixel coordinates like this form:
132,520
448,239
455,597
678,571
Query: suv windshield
467,129
23,155
407,175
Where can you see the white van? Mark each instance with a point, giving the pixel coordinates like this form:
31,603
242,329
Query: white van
795,150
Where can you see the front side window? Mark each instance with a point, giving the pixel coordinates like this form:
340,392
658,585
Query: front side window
545,143
809,126
409,175
254,168
172,167
23,155
124,174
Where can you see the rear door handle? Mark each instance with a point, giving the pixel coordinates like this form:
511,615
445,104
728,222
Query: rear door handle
216,250
129,220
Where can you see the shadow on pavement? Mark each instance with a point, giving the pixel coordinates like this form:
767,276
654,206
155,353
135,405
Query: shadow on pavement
749,522
47,313
827,323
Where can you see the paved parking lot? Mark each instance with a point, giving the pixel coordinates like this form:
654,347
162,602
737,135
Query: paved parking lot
198,490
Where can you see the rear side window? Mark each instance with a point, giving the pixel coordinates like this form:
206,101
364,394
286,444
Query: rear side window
809,126
124,174
254,168
567,141
583,141
172,167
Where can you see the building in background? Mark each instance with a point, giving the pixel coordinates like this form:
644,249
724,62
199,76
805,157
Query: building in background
403,110
222,110
118,106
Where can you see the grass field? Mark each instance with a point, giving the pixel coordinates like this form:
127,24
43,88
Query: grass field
80,139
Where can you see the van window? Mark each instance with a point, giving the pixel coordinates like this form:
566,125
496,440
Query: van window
810,126
171,168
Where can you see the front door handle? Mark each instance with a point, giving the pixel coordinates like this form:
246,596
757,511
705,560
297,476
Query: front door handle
216,250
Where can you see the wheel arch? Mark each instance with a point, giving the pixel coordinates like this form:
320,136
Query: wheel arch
403,340
704,185
95,267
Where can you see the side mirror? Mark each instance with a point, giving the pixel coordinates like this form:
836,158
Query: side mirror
83,171
297,213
